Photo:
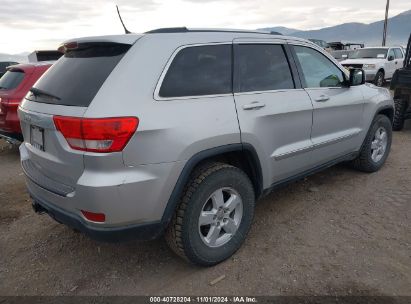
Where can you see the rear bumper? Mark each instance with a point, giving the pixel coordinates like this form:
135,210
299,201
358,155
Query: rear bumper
133,199
14,138
146,231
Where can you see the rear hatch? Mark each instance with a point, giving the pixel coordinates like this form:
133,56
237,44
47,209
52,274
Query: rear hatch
66,89
9,83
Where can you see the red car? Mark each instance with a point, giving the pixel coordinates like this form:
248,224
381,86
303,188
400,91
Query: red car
14,85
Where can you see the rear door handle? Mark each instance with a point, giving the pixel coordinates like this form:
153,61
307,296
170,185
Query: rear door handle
322,98
255,105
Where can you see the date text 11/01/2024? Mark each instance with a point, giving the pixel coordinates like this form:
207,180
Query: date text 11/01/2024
203,299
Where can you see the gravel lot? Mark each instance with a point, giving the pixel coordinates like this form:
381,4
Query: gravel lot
338,232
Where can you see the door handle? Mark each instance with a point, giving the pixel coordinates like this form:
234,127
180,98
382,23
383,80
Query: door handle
255,105
322,98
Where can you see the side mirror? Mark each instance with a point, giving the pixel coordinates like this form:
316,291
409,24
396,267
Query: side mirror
357,77
390,58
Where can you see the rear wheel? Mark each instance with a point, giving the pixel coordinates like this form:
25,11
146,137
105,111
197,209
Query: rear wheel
214,215
400,108
376,146
379,79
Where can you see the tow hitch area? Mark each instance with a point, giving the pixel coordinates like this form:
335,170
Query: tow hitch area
38,208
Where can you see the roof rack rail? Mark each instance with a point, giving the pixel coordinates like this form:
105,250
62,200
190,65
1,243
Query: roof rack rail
184,29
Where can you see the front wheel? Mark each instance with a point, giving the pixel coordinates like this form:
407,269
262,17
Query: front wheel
214,215
379,79
376,146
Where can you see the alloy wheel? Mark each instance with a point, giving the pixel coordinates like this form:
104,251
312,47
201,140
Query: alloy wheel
379,144
220,217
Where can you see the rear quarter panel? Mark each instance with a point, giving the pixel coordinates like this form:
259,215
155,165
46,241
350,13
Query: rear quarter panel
169,130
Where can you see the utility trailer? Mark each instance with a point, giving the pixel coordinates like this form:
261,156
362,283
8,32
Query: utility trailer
401,85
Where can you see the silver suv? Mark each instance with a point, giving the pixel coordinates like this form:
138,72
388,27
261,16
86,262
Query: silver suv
179,132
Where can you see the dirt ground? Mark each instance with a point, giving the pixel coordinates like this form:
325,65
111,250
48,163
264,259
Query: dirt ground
339,232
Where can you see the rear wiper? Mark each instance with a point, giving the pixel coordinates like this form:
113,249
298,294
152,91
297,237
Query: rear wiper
37,92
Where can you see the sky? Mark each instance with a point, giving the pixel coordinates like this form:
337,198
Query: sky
27,25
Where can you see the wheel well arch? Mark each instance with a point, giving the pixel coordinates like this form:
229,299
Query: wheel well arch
387,111
243,156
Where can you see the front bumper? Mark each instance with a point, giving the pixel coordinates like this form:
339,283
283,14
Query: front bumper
370,75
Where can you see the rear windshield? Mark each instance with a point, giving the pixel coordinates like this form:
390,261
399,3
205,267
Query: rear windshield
76,77
11,80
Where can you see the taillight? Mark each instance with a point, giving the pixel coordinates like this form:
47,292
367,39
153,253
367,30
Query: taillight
13,102
101,135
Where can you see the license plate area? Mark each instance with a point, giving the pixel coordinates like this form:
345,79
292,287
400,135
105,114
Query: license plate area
37,137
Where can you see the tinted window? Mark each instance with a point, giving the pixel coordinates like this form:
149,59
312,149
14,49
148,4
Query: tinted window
200,70
11,80
76,77
3,65
398,53
262,67
318,70
48,55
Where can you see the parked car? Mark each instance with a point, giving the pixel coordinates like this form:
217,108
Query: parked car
321,43
341,55
14,85
4,65
401,85
379,63
341,46
180,131
44,55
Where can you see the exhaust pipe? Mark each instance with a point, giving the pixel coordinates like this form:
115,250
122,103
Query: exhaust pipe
38,208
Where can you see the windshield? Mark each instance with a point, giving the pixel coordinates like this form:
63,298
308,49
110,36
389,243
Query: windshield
340,54
369,53
11,79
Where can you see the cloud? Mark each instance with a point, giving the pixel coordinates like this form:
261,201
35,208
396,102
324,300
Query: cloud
37,24
24,14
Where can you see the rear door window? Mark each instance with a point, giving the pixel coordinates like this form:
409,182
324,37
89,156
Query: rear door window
77,76
261,67
199,70
11,79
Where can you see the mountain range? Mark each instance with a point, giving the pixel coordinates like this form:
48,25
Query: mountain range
399,29
22,57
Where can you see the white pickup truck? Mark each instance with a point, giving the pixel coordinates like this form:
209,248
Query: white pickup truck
379,63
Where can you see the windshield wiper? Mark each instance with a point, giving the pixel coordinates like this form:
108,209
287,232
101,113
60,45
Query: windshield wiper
38,92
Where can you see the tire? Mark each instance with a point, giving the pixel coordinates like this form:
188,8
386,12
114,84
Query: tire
400,108
187,238
379,79
368,160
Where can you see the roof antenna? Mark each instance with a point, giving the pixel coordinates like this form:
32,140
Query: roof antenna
121,20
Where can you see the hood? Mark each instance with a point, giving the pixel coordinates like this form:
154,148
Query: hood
363,61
